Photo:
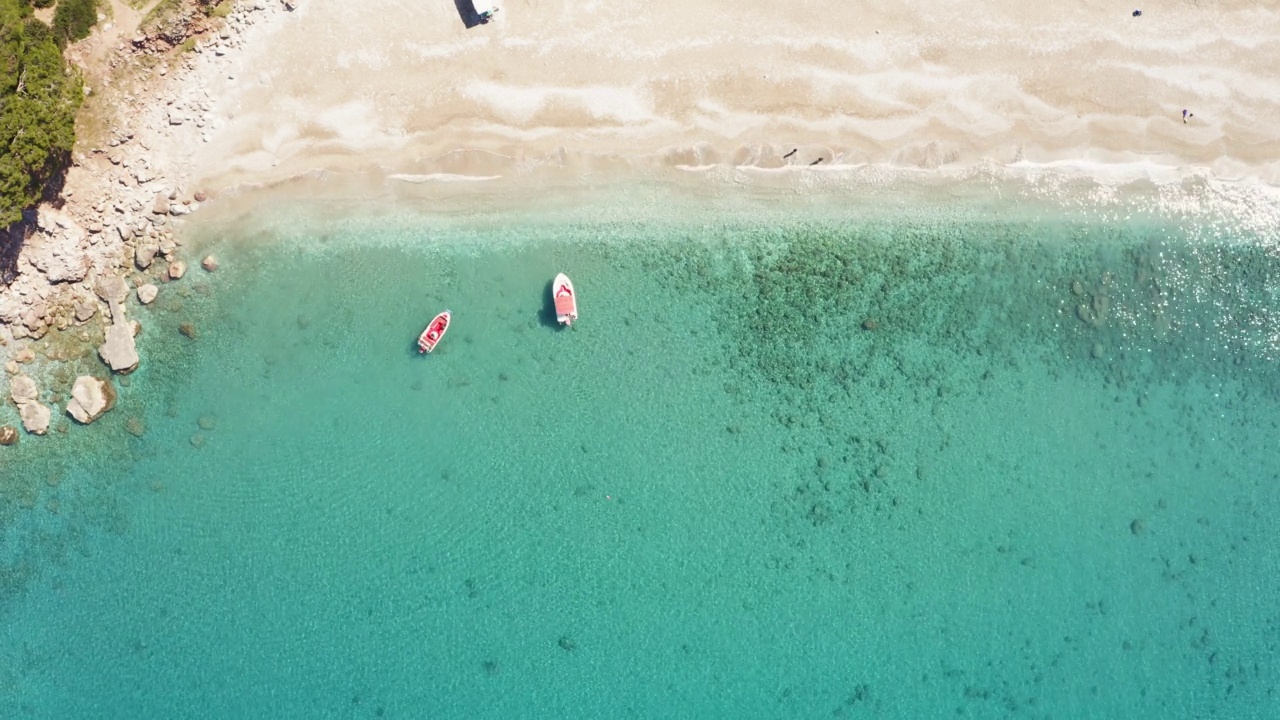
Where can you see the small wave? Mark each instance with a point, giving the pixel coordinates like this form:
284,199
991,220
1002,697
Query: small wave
441,177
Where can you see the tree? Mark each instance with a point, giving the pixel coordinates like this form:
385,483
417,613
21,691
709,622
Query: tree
73,19
39,96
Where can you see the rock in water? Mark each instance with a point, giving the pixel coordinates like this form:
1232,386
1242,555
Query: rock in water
35,417
23,390
177,269
135,427
90,398
8,435
119,352
147,294
210,263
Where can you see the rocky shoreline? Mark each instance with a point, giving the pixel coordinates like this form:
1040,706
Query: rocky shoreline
112,242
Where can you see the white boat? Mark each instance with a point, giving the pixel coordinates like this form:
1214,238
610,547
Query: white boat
435,331
566,300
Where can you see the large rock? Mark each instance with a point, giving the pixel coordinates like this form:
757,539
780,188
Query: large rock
91,397
60,267
119,351
10,311
35,417
147,294
209,263
23,390
177,269
33,319
53,221
145,254
111,288
85,309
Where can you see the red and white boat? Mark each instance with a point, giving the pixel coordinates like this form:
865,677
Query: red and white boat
434,333
566,300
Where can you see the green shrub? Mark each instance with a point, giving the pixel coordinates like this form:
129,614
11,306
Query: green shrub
39,97
42,3
73,19
160,11
220,10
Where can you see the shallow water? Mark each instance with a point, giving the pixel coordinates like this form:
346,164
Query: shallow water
942,463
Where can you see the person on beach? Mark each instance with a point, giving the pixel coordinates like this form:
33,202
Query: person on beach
1186,115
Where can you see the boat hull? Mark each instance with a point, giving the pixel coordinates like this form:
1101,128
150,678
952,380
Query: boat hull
434,332
565,299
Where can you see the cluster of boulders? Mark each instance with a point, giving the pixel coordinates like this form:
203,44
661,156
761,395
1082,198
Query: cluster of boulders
188,20
111,235
26,395
74,249
91,397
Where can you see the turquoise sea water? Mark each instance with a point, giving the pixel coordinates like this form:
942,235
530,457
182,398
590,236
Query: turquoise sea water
973,464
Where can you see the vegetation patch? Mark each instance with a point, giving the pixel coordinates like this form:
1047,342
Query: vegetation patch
39,96
218,9
73,19
160,12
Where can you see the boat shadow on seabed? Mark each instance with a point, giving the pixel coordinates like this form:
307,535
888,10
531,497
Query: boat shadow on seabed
547,315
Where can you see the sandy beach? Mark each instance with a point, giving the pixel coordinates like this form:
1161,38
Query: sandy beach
407,88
